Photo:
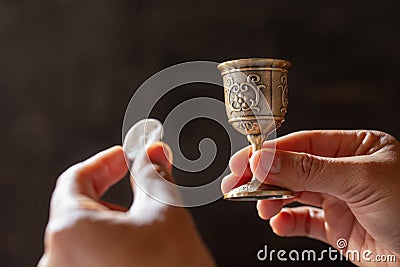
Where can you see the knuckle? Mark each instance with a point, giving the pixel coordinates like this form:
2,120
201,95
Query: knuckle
376,133
73,171
78,172
307,166
379,137
72,174
63,184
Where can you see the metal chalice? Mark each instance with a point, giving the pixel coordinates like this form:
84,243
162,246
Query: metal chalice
256,99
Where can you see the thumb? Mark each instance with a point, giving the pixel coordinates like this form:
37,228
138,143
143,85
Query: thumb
160,156
306,172
151,181
157,158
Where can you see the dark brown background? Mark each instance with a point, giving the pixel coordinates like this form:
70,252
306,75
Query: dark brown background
69,68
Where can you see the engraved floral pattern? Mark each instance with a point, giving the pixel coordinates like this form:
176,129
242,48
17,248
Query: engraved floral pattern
241,100
284,88
244,96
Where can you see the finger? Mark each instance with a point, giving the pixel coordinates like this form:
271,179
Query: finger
160,156
269,208
300,221
158,153
156,161
309,198
239,162
327,143
151,172
305,172
95,175
232,181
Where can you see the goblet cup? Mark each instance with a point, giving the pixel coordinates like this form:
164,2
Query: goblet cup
256,92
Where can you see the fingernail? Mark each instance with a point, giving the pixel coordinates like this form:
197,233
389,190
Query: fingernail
270,161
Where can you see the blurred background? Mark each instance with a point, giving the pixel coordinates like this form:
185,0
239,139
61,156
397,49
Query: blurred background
69,68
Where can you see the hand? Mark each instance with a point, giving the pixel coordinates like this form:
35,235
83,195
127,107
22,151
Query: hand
85,231
352,178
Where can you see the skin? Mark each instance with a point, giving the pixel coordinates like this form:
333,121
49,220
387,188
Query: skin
85,231
348,181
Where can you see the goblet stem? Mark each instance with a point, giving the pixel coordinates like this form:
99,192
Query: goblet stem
256,141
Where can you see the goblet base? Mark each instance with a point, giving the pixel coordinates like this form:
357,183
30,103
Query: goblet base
254,190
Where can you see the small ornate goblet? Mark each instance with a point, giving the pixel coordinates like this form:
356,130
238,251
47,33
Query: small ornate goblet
256,102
